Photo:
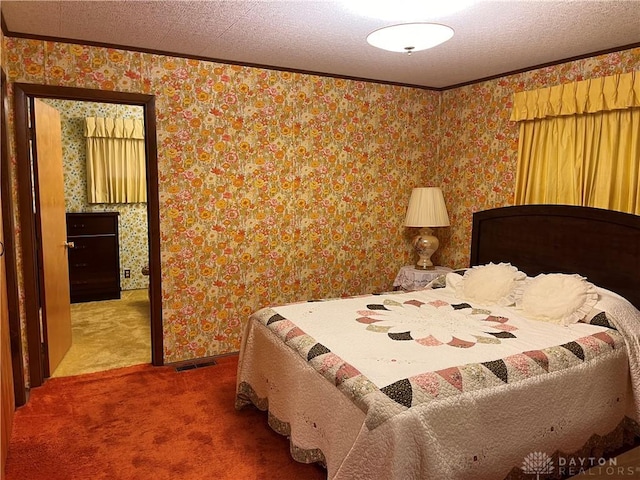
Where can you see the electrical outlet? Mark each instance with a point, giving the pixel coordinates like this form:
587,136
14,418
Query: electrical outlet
127,273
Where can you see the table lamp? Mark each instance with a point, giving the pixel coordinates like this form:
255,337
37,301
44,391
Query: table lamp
426,210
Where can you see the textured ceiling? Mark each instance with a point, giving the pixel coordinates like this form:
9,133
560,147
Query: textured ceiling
491,37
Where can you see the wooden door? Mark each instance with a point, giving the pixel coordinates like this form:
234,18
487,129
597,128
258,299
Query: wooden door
54,275
6,370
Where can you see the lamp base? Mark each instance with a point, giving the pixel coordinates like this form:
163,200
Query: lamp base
418,266
425,245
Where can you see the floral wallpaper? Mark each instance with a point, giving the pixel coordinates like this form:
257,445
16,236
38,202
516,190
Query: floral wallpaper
274,186
132,228
278,186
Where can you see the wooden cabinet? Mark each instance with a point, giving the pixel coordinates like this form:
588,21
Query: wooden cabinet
94,259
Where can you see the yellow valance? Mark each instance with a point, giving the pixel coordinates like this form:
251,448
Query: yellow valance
113,128
615,92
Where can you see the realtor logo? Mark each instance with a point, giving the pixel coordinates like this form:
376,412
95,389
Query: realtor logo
537,463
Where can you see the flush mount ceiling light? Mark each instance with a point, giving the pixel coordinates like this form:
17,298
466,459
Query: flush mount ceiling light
410,37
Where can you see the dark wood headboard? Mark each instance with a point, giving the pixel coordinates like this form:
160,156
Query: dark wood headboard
601,245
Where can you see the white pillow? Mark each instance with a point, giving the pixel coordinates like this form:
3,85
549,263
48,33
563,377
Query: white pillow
453,281
490,284
557,297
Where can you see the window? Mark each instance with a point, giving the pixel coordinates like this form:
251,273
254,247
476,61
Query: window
116,167
580,144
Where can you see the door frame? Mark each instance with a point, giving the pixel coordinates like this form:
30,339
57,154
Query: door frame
23,93
8,225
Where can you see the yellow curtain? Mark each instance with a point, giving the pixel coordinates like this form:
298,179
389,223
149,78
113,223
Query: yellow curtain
116,167
580,144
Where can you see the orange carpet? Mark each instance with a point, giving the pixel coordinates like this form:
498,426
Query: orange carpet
147,422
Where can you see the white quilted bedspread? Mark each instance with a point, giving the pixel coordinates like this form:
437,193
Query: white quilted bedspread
422,385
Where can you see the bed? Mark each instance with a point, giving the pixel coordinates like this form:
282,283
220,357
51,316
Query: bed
462,379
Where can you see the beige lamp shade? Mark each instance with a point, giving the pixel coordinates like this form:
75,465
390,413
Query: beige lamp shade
426,208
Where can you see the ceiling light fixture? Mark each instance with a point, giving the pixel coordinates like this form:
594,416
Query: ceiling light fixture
410,37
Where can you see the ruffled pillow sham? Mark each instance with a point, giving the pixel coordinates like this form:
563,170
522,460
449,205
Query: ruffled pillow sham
491,284
443,280
557,298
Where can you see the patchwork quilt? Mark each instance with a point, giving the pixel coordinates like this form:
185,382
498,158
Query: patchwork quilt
423,385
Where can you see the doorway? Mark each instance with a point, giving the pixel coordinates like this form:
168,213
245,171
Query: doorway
24,94
109,291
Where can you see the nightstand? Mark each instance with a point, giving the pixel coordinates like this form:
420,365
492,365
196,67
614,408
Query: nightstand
410,278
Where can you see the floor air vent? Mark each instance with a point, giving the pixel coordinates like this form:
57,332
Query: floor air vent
191,366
